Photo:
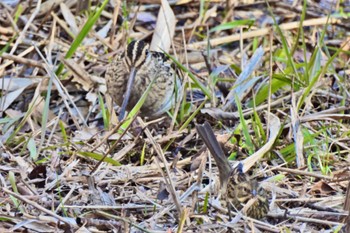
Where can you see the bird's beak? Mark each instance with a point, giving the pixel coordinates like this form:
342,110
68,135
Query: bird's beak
127,93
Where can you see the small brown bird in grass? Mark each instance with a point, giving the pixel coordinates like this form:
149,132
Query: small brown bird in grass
131,72
241,193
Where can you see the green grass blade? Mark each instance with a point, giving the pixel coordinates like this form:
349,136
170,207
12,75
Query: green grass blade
197,83
99,157
32,149
143,153
316,78
13,182
104,111
82,34
245,129
284,44
45,117
136,108
63,131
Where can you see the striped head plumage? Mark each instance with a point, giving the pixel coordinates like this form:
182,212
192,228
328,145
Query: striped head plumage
136,53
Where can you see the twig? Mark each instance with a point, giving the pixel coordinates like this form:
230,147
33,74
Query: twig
167,178
24,30
39,207
304,173
263,32
22,60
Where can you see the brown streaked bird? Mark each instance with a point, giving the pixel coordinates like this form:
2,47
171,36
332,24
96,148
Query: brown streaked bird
130,73
241,192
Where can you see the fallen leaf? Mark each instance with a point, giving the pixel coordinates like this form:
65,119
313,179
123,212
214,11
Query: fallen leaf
165,28
322,187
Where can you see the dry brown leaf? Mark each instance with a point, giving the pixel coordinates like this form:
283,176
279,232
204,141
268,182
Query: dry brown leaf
210,13
12,88
218,113
12,84
48,5
103,32
9,98
275,125
38,110
146,17
79,74
345,45
165,28
69,18
322,187
297,134
85,134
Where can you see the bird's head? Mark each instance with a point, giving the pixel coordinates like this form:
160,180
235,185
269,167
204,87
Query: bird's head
136,53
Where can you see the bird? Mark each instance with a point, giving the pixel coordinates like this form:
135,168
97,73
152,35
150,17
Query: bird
241,192
131,72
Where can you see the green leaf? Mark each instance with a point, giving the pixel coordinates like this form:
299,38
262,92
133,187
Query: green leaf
64,132
99,157
244,126
32,149
263,92
316,77
285,46
142,158
5,120
8,44
18,13
136,108
206,203
13,183
233,24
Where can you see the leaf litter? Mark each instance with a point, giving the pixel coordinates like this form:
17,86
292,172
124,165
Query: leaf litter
67,165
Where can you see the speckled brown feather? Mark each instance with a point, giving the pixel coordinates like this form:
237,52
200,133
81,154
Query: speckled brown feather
153,65
241,192
245,195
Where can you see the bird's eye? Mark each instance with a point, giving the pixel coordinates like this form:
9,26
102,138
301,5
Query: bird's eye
245,190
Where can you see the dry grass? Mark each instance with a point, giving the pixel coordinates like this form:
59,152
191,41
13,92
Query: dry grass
272,80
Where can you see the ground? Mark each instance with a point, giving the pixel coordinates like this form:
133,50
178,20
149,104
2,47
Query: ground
270,77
